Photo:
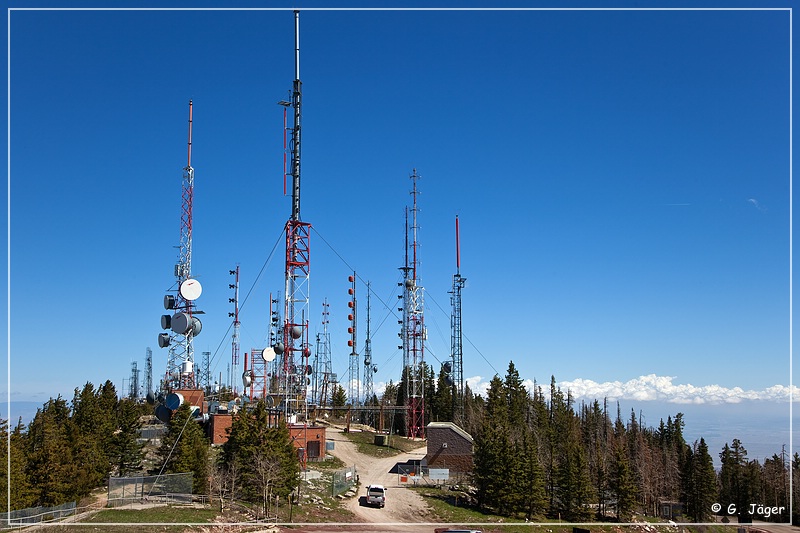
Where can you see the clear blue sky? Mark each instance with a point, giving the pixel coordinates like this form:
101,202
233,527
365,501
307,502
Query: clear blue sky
622,180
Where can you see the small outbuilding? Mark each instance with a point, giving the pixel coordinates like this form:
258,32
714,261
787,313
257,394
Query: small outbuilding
449,446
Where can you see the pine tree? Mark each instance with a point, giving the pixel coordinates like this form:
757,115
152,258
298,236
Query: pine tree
126,453
490,446
258,452
184,448
622,484
701,483
51,470
338,400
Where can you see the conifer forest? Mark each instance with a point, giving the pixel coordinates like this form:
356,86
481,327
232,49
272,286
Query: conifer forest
538,455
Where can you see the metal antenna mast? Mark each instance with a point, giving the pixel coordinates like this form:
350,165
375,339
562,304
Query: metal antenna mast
353,393
456,338
184,325
148,375
413,328
322,360
292,381
369,368
133,393
235,343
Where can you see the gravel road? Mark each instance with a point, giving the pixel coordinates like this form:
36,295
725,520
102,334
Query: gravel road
403,506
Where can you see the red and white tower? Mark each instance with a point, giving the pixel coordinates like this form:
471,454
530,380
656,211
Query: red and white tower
183,323
294,356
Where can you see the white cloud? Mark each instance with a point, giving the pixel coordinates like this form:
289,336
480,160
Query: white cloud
655,388
661,388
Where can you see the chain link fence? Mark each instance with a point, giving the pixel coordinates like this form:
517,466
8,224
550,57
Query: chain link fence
343,480
35,515
169,488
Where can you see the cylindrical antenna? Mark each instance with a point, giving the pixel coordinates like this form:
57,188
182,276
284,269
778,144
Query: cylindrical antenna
458,250
297,45
189,160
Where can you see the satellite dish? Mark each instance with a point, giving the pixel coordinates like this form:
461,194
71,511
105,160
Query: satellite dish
163,340
447,367
278,348
151,397
173,401
181,323
197,326
269,401
169,302
163,413
166,321
191,289
297,332
375,369
309,370
246,378
268,355
448,380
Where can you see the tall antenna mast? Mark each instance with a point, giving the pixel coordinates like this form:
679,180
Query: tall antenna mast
292,369
456,338
369,368
184,325
413,332
235,342
353,394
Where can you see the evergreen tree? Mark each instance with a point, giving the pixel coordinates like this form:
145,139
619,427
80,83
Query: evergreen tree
51,469
702,483
490,446
184,448
622,484
338,400
733,478
258,452
533,486
126,453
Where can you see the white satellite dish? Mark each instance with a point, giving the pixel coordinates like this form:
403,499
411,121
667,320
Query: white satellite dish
268,355
191,289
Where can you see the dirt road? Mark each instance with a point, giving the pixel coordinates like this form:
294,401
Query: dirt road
403,506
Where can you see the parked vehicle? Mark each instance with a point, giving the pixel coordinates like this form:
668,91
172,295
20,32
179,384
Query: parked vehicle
376,495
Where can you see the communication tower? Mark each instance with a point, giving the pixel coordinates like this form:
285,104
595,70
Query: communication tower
352,376
456,338
413,330
235,344
369,368
323,372
133,394
183,324
204,376
148,375
294,357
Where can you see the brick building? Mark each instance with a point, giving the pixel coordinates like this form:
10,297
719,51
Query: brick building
449,446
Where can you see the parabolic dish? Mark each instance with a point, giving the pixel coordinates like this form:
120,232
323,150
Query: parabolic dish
268,355
181,323
191,289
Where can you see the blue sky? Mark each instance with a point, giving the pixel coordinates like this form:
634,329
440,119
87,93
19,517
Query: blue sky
622,181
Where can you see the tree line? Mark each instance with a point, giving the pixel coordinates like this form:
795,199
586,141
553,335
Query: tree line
71,448
543,456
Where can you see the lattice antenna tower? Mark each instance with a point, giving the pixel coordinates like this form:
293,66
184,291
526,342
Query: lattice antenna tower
291,381
184,325
413,327
353,388
204,376
456,338
133,393
235,342
148,375
322,359
369,368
